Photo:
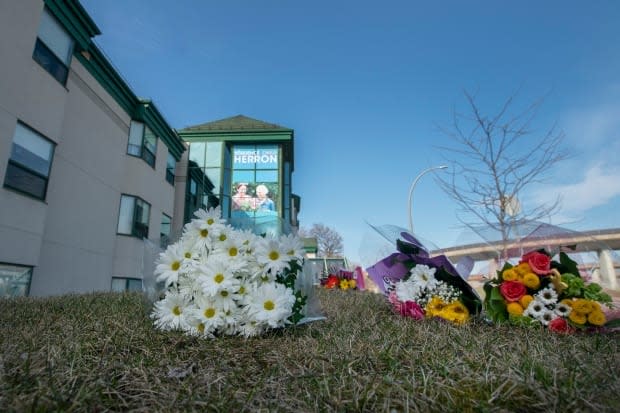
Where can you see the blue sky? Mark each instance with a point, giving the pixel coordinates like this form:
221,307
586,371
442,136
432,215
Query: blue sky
366,85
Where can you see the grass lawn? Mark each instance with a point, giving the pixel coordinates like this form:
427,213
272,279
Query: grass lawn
99,352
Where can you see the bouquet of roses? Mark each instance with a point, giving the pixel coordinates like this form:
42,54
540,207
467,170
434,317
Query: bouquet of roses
420,286
219,280
543,292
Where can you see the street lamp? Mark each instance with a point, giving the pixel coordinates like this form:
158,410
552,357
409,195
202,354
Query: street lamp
415,181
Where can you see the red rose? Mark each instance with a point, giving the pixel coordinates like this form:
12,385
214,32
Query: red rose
332,281
539,262
412,309
512,290
560,325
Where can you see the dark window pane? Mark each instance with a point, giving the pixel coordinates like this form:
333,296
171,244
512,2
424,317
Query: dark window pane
170,176
135,150
148,156
24,180
48,60
134,285
23,156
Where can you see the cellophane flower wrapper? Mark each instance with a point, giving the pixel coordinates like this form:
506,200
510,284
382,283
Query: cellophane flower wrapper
540,291
420,286
218,280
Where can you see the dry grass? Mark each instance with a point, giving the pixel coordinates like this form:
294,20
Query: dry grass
99,352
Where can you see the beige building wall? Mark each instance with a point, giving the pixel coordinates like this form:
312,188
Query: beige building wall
70,238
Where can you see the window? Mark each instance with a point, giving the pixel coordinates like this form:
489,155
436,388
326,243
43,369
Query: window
29,165
121,284
142,142
171,164
14,280
53,48
164,232
133,218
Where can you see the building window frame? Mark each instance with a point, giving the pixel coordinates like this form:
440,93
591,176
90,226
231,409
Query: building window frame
27,164
165,230
142,142
15,280
130,284
53,41
171,164
133,217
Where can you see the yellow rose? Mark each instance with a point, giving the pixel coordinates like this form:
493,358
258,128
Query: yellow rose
510,275
526,300
582,306
596,318
455,312
344,284
514,308
567,301
523,268
531,280
435,306
352,283
577,318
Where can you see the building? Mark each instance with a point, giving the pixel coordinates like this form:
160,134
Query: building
245,166
87,168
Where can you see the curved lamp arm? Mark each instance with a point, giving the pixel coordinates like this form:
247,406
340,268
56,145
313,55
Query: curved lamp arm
415,181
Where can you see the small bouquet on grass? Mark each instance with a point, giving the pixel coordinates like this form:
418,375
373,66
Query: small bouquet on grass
420,286
222,281
341,279
539,291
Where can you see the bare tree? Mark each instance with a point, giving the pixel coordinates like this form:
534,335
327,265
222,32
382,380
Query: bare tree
494,160
329,241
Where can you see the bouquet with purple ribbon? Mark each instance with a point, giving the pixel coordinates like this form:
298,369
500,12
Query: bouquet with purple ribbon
420,286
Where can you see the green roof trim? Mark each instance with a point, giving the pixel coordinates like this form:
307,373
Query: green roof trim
147,112
75,19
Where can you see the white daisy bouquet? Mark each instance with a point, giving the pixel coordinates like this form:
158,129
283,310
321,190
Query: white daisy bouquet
540,291
223,281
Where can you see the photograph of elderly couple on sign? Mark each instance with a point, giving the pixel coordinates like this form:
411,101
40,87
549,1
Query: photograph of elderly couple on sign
253,197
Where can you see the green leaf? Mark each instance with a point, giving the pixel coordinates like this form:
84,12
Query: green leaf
613,323
566,265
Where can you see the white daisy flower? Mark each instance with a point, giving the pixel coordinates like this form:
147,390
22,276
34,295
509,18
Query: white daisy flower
208,313
172,312
250,328
562,310
271,303
535,309
217,275
231,248
293,246
547,296
226,300
169,264
270,254
210,219
424,276
546,316
407,291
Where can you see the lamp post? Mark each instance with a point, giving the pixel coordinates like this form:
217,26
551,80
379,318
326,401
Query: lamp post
415,181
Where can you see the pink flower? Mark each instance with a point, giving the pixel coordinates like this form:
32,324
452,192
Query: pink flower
539,262
412,309
512,290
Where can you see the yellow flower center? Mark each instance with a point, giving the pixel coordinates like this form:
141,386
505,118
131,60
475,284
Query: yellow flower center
175,265
218,278
204,232
291,252
242,290
210,221
188,255
210,312
269,305
223,237
233,252
176,310
273,255
201,328
224,293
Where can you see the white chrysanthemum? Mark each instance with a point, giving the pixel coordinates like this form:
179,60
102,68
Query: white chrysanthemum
210,220
227,299
562,310
249,240
271,303
209,314
231,248
216,275
244,290
172,312
249,327
186,246
169,264
546,316
269,253
547,296
293,246
535,309
189,285
407,291
424,277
